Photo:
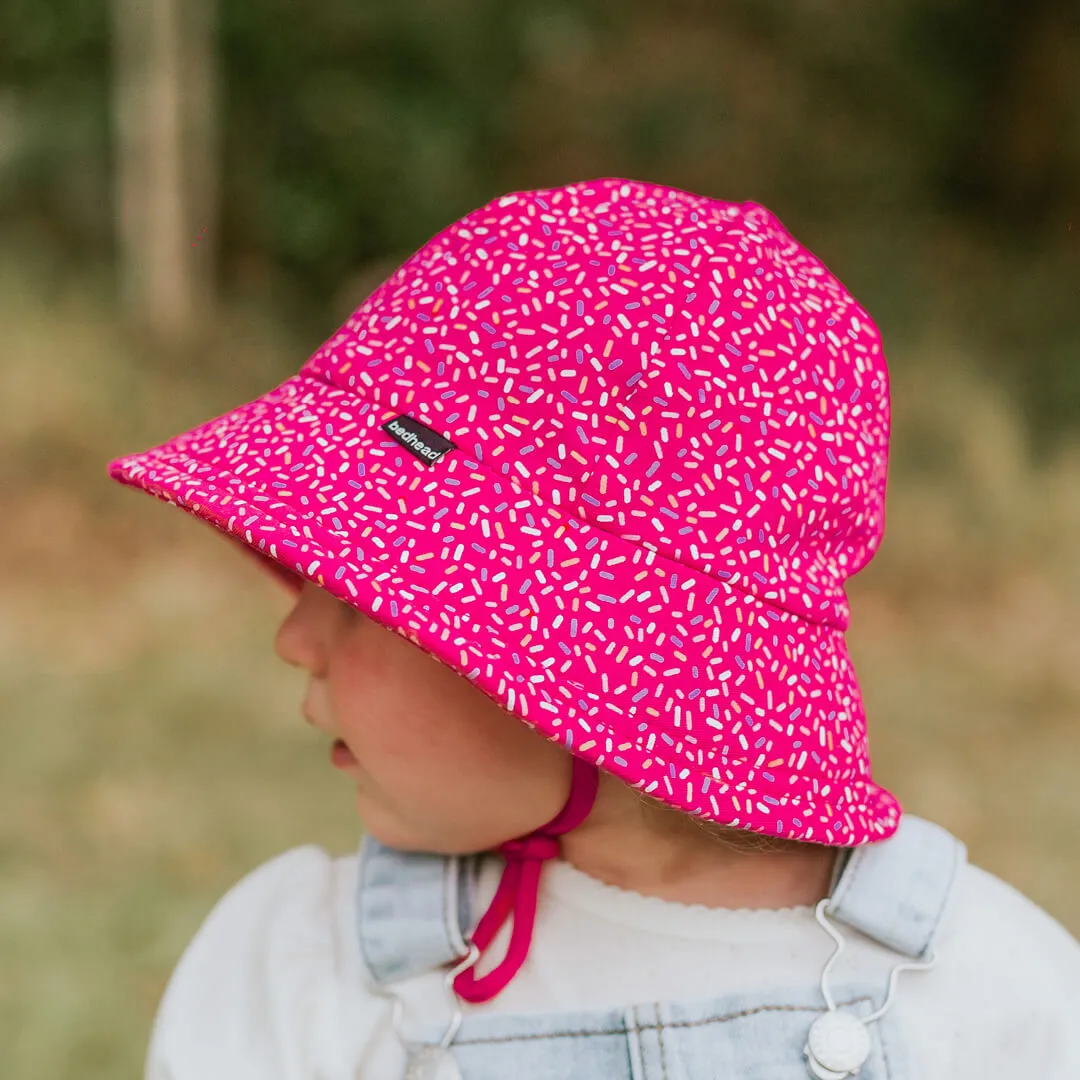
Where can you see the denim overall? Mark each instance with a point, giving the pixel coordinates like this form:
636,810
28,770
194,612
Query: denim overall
412,907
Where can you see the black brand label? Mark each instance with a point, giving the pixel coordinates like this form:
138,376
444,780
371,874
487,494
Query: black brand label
424,444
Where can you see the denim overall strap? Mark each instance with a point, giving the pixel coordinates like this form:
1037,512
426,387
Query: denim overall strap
895,891
411,907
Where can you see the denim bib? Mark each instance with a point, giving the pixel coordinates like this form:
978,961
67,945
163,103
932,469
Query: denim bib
411,908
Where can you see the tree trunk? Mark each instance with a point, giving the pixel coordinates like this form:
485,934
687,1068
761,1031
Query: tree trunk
165,162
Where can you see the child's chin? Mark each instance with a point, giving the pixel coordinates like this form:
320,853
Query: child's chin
398,835
388,831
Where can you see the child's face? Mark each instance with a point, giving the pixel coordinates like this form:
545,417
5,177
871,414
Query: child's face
440,766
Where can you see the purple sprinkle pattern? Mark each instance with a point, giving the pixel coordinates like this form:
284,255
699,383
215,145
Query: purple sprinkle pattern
671,424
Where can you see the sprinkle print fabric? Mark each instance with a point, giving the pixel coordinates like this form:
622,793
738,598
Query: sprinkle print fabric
669,426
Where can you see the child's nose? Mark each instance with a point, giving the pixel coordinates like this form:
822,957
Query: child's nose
297,641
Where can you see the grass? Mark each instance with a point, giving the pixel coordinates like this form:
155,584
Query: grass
153,748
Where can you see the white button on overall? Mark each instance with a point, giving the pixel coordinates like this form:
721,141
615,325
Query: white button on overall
837,1046
838,1043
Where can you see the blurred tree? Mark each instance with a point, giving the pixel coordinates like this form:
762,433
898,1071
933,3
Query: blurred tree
165,161
928,149
1010,161
54,131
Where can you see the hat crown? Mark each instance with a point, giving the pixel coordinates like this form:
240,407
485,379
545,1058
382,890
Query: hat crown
671,368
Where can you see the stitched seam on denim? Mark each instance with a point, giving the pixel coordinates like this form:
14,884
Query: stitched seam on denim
634,1047
847,876
856,871
648,1027
361,936
446,901
883,1043
946,893
660,1042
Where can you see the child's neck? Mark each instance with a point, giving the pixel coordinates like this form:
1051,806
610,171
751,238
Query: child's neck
616,845
717,877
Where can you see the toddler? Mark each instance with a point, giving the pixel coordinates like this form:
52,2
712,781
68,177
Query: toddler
567,506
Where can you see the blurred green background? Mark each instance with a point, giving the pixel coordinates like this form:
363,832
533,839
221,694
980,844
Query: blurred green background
193,195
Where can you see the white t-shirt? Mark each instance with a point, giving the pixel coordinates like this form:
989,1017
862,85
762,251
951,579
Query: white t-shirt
273,987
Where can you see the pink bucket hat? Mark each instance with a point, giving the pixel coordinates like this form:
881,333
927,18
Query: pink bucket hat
610,450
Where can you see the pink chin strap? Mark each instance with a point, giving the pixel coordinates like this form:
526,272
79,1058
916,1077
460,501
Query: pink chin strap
520,885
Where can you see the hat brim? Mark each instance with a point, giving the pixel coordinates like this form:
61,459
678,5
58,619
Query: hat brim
670,679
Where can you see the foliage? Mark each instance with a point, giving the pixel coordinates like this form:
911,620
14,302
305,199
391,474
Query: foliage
928,152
